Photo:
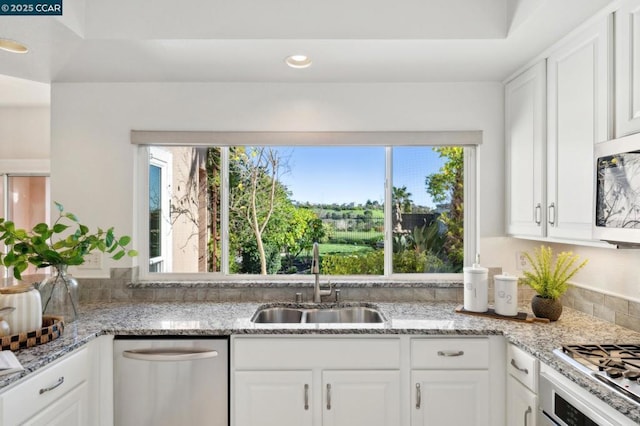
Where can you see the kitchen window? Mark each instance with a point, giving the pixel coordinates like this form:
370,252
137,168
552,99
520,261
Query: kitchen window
235,209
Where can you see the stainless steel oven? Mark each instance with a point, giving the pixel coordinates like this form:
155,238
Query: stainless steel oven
564,403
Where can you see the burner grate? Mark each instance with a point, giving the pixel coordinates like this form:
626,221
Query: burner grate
607,356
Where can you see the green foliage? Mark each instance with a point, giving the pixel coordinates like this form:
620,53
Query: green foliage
371,263
401,199
428,238
448,185
251,263
549,276
38,247
411,261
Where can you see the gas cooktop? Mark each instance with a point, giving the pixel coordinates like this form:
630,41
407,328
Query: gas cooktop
617,366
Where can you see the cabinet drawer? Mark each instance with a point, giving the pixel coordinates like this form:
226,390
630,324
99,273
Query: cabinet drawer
523,367
45,387
293,353
450,353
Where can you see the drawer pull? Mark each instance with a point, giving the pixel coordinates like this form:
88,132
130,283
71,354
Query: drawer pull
526,415
306,396
328,396
418,396
450,353
521,369
52,387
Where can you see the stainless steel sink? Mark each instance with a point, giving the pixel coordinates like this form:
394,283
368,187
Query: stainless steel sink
357,314
277,315
315,315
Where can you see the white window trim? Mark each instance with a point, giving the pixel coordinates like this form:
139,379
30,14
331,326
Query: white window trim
470,140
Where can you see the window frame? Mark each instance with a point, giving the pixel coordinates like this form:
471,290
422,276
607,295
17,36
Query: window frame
470,140
5,176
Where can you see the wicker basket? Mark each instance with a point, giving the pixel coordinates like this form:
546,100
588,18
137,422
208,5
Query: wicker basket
52,328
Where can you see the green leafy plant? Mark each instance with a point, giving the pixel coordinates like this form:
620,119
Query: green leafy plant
45,246
549,276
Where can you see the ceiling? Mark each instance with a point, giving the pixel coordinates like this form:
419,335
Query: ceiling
248,40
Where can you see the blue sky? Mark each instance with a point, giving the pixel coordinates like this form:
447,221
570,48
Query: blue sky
355,174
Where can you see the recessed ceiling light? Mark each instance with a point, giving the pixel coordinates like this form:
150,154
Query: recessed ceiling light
298,61
12,46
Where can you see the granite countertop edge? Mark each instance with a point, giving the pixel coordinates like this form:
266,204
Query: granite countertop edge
432,318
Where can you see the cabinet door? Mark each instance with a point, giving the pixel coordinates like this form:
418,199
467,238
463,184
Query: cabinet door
272,398
627,24
69,410
450,398
521,404
525,134
361,398
578,95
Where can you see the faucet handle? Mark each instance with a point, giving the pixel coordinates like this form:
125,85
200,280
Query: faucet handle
338,295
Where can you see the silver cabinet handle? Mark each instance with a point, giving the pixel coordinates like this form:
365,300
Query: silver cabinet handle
538,214
552,214
52,387
306,396
328,396
169,354
418,396
521,369
450,353
526,414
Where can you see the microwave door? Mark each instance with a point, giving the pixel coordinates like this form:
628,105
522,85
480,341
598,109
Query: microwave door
617,197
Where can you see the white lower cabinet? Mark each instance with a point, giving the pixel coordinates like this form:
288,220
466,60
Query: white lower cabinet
75,390
450,382
58,391
521,404
330,381
367,381
71,409
522,387
361,398
450,398
273,398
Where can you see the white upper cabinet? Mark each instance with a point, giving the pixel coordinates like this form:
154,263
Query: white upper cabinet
627,36
578,82
525,133
554,114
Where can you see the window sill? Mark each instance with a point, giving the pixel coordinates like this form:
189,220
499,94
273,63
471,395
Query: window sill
307,282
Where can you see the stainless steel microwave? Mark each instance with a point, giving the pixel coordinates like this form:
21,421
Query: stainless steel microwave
617,191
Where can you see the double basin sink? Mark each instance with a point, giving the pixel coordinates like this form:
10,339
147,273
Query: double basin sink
314,315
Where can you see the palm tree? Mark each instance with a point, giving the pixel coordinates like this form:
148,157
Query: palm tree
401,204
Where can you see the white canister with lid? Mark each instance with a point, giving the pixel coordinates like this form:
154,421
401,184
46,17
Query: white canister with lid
506,294
476,289
28,313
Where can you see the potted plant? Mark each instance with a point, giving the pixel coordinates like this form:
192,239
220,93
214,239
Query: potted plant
58,247
549,278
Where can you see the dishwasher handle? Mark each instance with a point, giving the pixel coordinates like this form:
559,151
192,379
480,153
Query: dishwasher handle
169,354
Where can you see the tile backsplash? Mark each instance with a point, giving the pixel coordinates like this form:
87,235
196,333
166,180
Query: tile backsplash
609,308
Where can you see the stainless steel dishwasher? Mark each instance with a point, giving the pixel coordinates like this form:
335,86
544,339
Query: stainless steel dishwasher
171,381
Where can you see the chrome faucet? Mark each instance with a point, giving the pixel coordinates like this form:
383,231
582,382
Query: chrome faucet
315,270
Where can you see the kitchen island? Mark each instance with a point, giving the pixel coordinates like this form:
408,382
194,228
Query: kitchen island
437,318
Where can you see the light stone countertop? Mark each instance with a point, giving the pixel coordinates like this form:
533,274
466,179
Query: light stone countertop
436,318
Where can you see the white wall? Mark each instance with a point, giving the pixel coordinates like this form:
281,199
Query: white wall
93,162
24,133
